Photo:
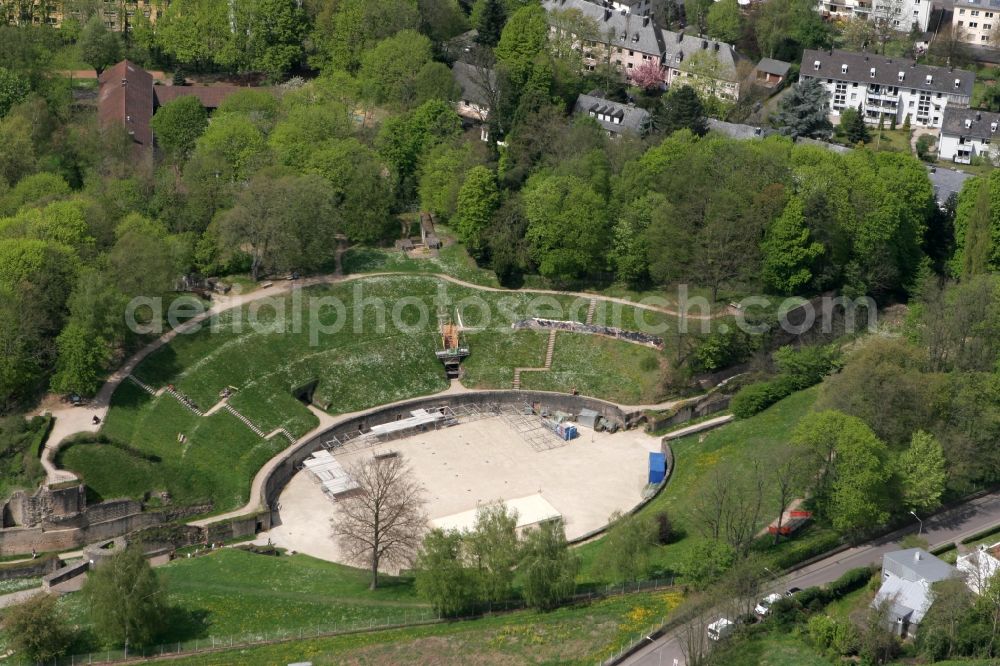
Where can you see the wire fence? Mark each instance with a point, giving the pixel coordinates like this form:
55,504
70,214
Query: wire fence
410,618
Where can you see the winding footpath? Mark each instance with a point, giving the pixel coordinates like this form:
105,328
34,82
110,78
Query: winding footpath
70,420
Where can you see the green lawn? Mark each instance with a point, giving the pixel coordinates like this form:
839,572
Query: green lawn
232,593
734,443
216,463
375,347
773,649
623,372
579,635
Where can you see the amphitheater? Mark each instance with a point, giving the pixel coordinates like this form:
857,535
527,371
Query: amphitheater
485,447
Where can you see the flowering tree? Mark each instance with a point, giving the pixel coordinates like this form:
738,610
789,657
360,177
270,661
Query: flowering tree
648,75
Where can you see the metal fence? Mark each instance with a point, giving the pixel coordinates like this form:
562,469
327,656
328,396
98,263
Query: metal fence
412,618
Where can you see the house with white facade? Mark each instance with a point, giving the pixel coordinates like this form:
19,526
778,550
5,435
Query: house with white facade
969,133
979,566
976,21
902,14
907,577
628,40
884,87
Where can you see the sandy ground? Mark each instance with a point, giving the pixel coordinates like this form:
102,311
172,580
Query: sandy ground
482,461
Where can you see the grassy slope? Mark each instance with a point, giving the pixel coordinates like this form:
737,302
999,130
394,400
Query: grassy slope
358,366
233,593
581,635
737,442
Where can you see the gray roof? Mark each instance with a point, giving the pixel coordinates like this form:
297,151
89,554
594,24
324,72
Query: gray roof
946,182
916,564
636,33
772,66
992,4
738,131
680,46
859,66
908,600
471,82
970,123
630,118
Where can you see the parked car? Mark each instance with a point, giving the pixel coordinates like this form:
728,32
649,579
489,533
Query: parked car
764,606
721,628
792,590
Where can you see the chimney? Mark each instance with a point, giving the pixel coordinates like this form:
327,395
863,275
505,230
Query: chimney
645,21
124,82
979,116
916,555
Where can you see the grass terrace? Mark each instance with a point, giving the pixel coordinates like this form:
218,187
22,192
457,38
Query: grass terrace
358,360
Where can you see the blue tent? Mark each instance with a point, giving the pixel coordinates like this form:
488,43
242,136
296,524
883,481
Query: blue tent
657,467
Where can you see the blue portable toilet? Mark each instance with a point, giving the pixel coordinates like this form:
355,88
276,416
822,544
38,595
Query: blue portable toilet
657,467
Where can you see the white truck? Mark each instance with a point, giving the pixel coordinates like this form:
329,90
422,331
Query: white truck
721,628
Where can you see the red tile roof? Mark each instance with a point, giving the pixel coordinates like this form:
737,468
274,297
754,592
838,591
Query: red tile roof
209,96
126,99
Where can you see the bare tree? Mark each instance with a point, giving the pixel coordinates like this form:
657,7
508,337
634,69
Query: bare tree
730,504
693,634
383,521
790,471
887,17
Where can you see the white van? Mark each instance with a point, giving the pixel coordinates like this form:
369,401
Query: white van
764,607
721,628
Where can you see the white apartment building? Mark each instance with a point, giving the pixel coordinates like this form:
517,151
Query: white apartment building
904,14
976,21
887,87
969,133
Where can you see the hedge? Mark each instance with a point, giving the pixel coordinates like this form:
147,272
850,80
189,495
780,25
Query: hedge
757,397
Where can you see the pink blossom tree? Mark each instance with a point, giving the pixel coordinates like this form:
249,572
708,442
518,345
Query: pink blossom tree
648,75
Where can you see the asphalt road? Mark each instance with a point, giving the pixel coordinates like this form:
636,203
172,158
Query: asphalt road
949,526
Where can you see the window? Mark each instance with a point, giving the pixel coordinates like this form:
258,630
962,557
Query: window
631,53
974,12
961,11
973,24
987,26
988,14
961,23
984,38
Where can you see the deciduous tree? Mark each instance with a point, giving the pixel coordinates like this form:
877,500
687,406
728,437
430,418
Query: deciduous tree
382,523
548,565
126,599
178,124
922,472
38,628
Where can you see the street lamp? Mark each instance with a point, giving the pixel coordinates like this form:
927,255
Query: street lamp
921,528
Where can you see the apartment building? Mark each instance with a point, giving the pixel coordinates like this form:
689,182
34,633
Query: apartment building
969,133
117,15
628,40
887,88
976,21
903,14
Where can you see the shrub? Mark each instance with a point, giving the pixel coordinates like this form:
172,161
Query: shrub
648,364
852,580
721,350
757,397
924,144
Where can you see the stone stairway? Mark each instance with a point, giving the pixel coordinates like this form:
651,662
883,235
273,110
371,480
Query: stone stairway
247,422
551,349
141,384
185,401
549,353
591,310
222,404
